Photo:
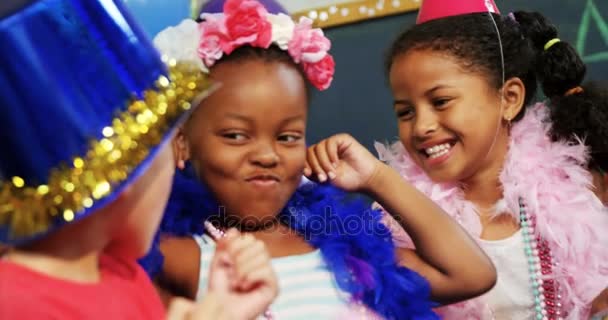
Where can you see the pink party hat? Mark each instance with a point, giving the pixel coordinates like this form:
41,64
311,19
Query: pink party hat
436,9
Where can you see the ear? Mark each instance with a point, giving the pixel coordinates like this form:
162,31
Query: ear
181,149
513,96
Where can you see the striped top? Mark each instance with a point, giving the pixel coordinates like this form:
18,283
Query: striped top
307,288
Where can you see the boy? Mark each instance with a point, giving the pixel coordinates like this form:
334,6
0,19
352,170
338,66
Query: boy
88,111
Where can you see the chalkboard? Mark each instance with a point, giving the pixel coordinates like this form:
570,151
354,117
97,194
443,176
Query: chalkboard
359,101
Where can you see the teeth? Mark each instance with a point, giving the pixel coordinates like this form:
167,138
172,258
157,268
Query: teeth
438,154
438,150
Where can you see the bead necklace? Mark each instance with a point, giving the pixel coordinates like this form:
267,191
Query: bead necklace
540,265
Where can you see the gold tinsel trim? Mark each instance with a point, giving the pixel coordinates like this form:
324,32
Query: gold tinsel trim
76,186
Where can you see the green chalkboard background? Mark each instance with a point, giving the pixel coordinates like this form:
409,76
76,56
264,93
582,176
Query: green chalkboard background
359,102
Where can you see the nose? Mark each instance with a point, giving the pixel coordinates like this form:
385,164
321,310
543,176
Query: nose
264,154
425,124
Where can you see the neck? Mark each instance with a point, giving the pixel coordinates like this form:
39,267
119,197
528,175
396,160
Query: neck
484,188
70,253
283,241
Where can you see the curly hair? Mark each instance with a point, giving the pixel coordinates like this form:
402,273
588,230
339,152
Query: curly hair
272,54
584,116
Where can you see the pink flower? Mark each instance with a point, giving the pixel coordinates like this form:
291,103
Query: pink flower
308,45
321,73
214,40
246,23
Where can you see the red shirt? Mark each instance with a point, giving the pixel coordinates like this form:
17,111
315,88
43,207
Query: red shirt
124,292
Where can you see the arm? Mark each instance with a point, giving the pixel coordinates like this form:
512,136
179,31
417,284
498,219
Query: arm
456,268
180,271
445,254
599,307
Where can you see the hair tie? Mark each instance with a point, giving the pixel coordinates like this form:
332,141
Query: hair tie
575,90
512,17
551,42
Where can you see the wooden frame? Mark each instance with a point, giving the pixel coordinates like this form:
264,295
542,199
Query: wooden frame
344,12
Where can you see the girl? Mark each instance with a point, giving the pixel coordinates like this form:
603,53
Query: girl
246,145
461,79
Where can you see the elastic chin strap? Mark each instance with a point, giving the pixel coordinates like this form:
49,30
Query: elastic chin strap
502,66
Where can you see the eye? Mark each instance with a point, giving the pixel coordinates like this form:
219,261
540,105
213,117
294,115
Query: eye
405,113
235,136
289,137
441,102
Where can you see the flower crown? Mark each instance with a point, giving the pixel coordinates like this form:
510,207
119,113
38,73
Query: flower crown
247,22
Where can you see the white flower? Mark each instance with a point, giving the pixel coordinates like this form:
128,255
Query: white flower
282,29
181,43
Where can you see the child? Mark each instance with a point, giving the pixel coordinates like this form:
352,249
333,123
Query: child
246,145
461,79
583,114
87,169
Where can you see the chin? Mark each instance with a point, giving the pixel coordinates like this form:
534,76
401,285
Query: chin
444,175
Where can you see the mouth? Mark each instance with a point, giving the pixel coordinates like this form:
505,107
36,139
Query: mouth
264,180
436,153
438,150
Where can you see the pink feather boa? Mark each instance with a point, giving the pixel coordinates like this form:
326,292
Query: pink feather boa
554,186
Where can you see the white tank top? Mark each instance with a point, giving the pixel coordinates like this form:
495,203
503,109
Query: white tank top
511,298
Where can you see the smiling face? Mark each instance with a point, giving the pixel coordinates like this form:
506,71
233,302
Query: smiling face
247,140
450,121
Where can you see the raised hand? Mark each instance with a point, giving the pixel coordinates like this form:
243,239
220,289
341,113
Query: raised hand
241,275
343,161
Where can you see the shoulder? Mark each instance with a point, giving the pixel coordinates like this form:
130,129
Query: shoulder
20,293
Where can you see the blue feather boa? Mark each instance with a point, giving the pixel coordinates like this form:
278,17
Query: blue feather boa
357,247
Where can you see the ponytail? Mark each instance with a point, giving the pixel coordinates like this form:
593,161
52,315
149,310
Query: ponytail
577,111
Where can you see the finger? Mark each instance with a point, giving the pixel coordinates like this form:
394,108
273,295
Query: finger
236,245
234,249
232,233
260,277
324,160
248,263
223,243
257,249
220,279
179,309
317,171
307,170
332,151
249,266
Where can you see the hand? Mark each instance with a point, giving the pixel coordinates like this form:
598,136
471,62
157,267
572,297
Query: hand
343,160
241,275
208,308
600,304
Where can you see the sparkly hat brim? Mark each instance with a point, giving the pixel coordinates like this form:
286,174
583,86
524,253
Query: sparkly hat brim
91,181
